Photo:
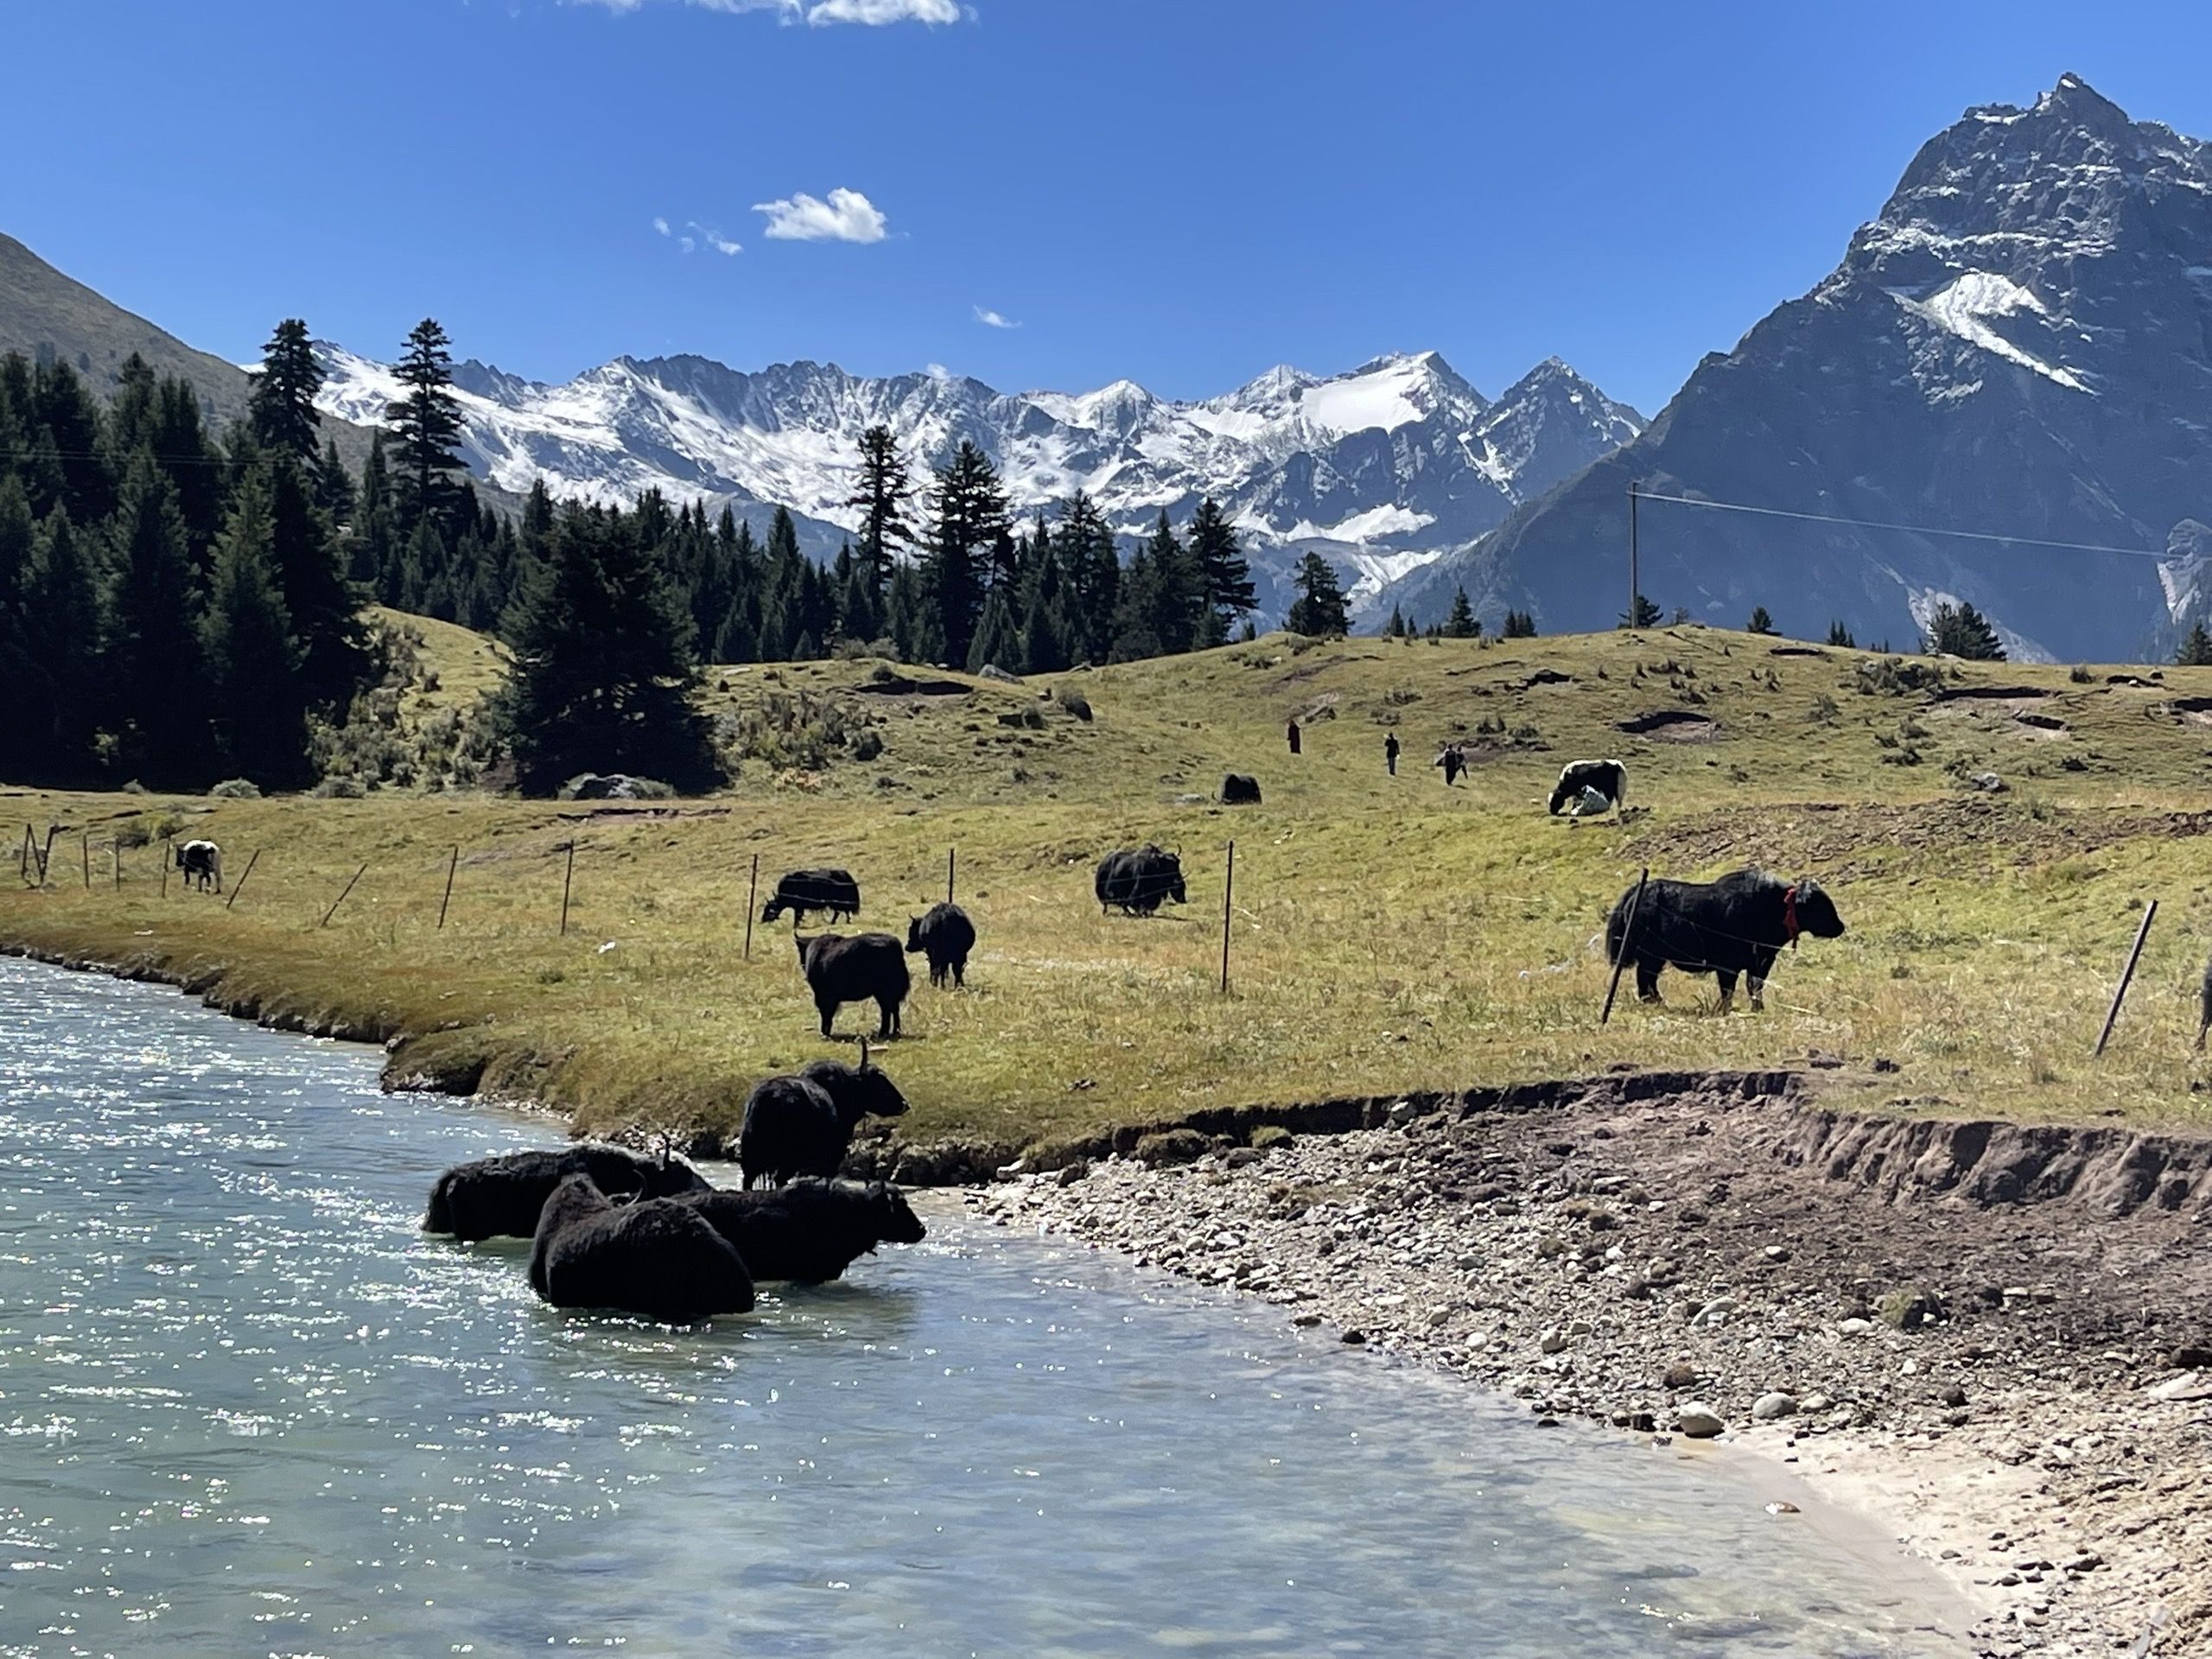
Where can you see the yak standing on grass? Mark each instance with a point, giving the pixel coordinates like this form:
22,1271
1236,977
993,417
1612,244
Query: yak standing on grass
1737,925
1139,881
832,892
945,936
867,967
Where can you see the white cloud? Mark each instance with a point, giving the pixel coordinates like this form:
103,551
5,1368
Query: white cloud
878,12
991,319
848,216
695,236
660,224
715,239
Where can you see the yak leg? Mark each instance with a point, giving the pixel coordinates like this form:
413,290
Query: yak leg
828,1010
888,1024
960,973
1647,979
1762,967
1727,978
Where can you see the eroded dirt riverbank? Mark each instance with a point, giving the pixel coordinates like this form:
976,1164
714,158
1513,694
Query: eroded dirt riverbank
1997,1339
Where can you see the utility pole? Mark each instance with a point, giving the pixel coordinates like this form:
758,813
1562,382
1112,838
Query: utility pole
1635,588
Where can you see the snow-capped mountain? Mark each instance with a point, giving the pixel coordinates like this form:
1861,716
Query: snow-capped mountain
1384,469
2020,346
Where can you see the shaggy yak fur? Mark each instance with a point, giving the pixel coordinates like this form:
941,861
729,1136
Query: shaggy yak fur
658,1258
945,936
812,1230
502,1195
1735,925
803,1125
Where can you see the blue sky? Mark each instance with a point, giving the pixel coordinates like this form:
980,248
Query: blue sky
1179,192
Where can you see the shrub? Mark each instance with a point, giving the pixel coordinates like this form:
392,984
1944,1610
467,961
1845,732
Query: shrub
237,789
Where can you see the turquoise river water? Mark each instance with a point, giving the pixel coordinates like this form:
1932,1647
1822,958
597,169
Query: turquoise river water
246,1408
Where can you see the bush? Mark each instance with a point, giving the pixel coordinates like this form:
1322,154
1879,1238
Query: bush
237,789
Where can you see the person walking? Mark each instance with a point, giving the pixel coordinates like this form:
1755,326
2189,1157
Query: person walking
1292,733
1390,752
1453,762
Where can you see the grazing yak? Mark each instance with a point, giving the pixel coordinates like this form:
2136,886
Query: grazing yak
867,966
811,1230
499,1195
1139,881
803,1124
834,891
655,1257
1239,789
1608,778
945,936
2204,1005
202,864
1737,925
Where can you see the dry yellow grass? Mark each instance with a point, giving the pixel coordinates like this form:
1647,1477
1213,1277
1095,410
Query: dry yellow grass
1386,934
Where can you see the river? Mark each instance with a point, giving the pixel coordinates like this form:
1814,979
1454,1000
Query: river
247,1408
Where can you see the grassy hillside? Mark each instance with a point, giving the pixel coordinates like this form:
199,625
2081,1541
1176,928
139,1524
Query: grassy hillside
1386,933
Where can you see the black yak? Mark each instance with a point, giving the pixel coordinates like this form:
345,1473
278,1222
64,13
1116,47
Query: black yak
502,1195
811,1230
803,1124
945,936
1139,881
658,1258
2204,1005
1608,778
865,967
202,864
832,892
1238,789
1737,925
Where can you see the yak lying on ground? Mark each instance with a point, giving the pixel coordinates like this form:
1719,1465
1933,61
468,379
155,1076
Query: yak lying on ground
945,936
1239,789
1608,778
202,864
834,891
803,1124
1737,925
812,1230
1139,881
499,1195
865,967
655,1257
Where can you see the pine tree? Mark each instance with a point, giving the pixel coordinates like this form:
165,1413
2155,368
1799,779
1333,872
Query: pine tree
64,432
253,698
371,552
1136,599
998,635
881,494
1091,571
1643,614
60,611
1176,608
1395,627
323,610
1962,631
1224,578
1462,623
282,403
1840,635
970,509
19,744
426,426
601,681
1319,608
2195,651
1520,625
1760,622
153,647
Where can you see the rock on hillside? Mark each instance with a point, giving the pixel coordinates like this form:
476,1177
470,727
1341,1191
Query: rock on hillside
2021,344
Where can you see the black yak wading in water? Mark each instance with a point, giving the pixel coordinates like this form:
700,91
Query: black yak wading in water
1735,925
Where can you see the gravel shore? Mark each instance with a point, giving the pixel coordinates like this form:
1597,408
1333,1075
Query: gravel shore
1993,1342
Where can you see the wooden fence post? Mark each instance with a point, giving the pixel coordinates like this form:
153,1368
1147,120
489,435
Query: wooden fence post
1228,894
168,859
118,863
568,877
951,863
448,899
85,847
1628,938
2119,991
240,888
46,853
340,899
752,893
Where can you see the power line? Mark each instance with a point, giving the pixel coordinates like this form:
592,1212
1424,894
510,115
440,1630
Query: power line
1915,530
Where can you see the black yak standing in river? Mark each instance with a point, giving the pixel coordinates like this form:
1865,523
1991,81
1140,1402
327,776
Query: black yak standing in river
1735,925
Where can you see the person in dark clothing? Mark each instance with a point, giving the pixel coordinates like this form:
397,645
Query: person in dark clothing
1390,752
1292,733
1453,763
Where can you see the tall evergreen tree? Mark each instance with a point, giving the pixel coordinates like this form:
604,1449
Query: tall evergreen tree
323,610
1839,634
2195,650
1760,622
282,403
253,698
1642,613
426,425
60,632
18,537
64,433
153,644
1519,624
371,551
601,681
881,494
1224,578
1319,608
1090,568
970,510
1961,631
1461,622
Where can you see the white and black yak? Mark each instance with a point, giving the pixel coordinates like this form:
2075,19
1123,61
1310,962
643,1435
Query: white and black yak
500,1197
1139,881
1735,925
658,1258
865,968
832,892
803,1124
202,864
945,936
811,1230
1608,778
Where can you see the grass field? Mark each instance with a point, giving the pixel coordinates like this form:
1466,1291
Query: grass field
1386,933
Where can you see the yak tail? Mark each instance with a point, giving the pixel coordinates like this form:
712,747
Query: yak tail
1620,776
